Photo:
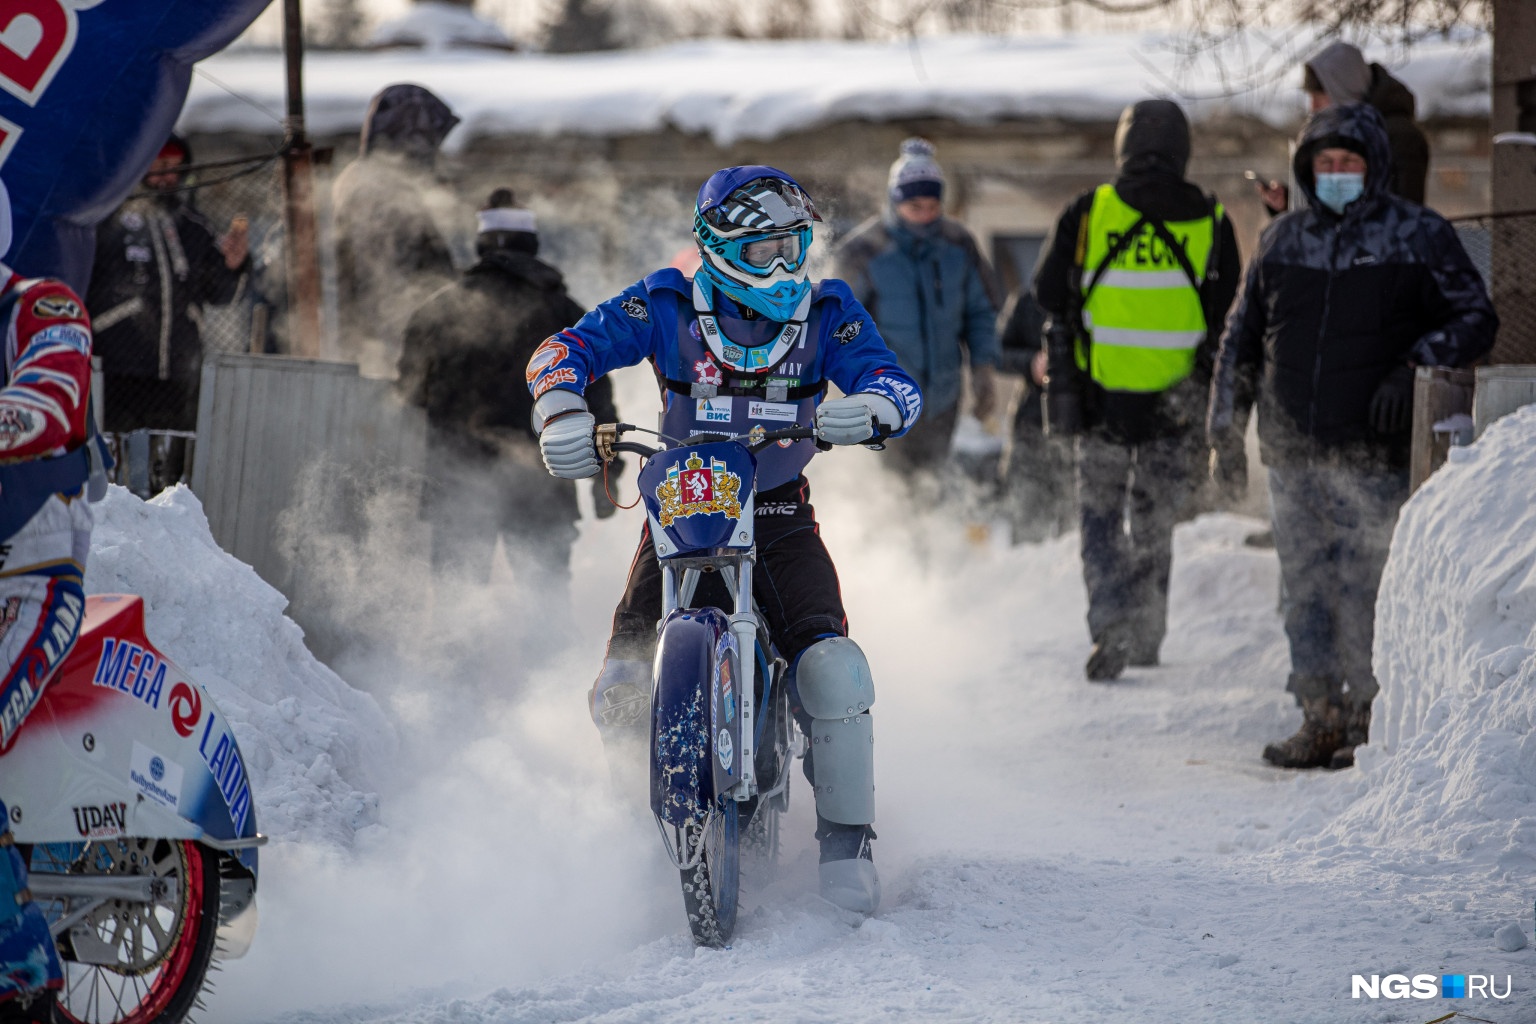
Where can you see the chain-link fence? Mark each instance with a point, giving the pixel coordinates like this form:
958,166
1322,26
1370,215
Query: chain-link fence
186,266
1503,248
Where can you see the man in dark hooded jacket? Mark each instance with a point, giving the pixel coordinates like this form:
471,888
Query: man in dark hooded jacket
1134,283
1343,299
1339,75
464,360
390,254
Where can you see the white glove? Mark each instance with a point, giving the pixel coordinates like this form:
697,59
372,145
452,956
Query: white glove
566,444
852,419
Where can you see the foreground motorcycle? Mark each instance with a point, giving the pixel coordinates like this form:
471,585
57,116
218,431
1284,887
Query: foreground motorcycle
722,736
130,800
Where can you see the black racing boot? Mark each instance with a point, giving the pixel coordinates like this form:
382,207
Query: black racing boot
1321,733
1357,729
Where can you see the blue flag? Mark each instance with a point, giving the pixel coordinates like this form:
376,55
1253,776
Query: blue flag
89,89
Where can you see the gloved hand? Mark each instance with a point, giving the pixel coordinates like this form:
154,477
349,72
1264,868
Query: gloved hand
983,391
1229,469
1391,409
567,448
852,419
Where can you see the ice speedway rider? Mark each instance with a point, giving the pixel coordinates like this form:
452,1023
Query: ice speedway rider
749,341
45,534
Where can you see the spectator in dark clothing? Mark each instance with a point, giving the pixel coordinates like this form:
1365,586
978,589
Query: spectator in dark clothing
1339,75
390,254
1036,482
464,360
1134,282
159,263
925,281
1341,302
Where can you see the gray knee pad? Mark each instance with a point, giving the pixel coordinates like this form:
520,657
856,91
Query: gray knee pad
836,691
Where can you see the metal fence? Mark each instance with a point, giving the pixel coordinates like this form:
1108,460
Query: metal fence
1503,248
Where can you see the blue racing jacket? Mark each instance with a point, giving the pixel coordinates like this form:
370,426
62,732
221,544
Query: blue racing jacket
727,374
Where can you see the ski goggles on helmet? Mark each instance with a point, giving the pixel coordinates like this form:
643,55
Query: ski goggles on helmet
761,255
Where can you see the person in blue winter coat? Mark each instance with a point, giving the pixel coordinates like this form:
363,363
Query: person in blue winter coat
923,277
748,341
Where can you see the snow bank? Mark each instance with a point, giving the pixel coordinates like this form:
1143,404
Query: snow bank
1451,766
310,740
736,90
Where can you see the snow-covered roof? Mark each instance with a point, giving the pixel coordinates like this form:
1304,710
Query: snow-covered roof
435,25
735,90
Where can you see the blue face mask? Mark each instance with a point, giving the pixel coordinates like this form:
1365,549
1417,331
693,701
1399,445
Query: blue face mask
1336,191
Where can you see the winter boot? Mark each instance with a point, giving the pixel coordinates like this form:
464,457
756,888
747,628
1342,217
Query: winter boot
29,963
848,877
1357,730
1110,654
1321,733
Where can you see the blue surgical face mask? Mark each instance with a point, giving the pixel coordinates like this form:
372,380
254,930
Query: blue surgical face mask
1336,191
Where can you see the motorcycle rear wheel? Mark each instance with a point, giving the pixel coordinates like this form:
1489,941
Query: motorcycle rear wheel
160,950
711,888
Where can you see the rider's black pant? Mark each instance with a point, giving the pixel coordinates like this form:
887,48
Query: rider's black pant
794,582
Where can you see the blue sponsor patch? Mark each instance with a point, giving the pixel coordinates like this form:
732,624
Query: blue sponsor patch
70,335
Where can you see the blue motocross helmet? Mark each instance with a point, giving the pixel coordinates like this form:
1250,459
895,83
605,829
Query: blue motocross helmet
753,226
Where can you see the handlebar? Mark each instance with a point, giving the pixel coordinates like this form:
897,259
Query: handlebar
606,437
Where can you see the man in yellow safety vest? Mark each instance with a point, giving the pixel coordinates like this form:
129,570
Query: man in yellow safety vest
1135,283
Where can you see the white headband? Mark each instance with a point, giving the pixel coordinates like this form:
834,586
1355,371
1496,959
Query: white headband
504,218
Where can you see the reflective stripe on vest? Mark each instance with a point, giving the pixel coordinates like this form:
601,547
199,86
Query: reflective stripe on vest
1143,316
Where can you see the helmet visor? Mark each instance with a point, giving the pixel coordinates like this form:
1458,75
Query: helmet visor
760,253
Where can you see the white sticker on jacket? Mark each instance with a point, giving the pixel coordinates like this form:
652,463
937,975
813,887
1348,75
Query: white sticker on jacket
714,410
780,411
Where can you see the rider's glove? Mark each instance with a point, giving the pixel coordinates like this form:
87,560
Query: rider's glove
565,435
856,418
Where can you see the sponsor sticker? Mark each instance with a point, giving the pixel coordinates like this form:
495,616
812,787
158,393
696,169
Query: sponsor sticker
101,821
707,371
849,331
545,356
559,375
222,756
635,307
56,307
782,412
157,777
134,670
724,748
714,410
70,335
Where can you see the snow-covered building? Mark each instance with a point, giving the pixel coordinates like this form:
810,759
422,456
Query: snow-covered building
609,147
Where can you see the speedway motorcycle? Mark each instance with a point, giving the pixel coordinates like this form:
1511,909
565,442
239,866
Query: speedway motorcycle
130,800
722,736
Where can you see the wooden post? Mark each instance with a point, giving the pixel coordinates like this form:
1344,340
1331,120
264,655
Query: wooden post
1439,392
300,238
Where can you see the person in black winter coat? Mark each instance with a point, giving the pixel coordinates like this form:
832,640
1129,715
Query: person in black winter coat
390,254
464,360
1340,75
1140,446
158,263
1342,300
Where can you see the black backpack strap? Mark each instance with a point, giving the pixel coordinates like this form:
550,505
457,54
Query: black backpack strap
1121,244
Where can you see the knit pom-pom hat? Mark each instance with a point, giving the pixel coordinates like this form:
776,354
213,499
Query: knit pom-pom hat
916,173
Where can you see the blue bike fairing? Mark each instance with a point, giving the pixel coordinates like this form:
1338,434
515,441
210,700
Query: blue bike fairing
652,319
700,495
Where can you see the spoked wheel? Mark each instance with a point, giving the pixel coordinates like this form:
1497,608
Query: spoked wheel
711,887
133,961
